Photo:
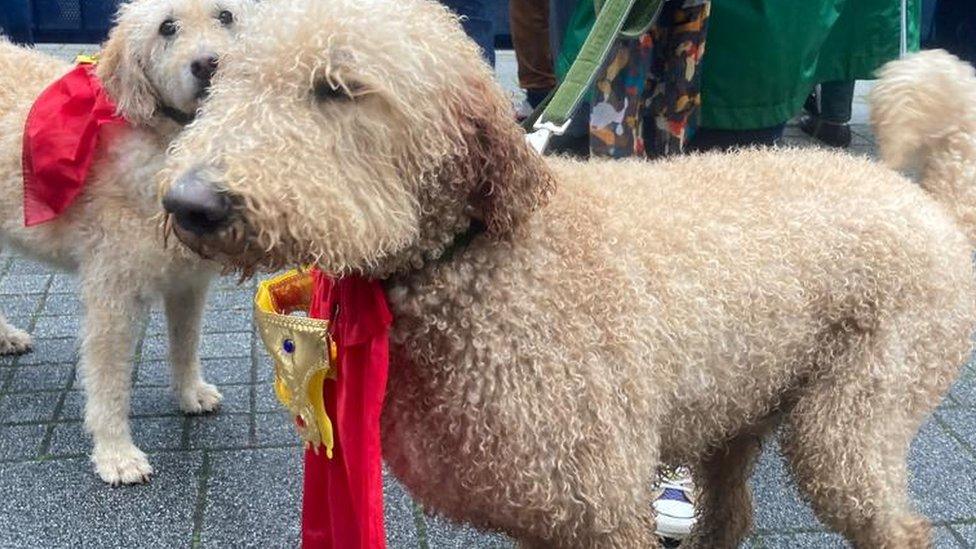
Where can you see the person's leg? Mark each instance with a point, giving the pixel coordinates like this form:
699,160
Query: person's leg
828,121
478,24
673,97
615,119
835,101
530,37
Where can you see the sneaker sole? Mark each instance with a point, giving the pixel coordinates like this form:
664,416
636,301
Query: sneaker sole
674,527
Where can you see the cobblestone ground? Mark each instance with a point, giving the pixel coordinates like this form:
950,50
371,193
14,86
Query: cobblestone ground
232,479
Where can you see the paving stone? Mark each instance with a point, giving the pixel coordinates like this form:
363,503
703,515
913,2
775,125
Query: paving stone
943,475
70,439
943,538
399,514
24,284
73,407
237,399
28,407
24,266
778,505
152,373
265,399
64,284
57,326
442,534
51,351
253,499
276,429
15,306
963,390
40,377
62,304
233,320
236,344
967,531
219,431
228,371
61,503
264,372
158,433
219,371
153,401
806,540
214,321
238,299
18,442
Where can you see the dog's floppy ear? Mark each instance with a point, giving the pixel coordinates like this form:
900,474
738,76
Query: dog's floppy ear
507,179
120,70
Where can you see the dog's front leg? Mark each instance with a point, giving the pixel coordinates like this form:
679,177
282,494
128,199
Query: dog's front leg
184,310
113,312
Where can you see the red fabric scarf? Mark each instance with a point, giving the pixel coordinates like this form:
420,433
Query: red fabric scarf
343,503
60,138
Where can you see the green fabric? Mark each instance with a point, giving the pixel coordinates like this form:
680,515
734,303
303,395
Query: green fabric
580,23
763,57
590,58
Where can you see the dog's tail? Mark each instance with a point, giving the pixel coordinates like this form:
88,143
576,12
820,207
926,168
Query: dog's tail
923,109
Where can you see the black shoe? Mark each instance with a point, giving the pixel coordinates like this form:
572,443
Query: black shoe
828,133
810,105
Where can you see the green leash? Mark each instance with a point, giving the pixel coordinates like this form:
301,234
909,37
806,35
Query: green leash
615,18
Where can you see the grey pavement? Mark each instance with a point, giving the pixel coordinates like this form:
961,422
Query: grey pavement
232,479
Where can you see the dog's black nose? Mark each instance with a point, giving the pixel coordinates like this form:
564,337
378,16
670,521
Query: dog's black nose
203,69
197,205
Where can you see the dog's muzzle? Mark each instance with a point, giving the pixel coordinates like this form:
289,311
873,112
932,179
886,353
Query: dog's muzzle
198,206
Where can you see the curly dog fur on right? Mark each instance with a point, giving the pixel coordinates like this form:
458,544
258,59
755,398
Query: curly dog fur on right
613,316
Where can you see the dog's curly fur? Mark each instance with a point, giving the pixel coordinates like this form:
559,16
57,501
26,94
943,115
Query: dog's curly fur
111,235
632,315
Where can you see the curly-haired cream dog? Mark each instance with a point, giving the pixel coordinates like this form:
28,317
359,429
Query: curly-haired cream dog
610,316
156,65
924,114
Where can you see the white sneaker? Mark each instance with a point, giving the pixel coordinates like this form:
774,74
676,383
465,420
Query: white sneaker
674,505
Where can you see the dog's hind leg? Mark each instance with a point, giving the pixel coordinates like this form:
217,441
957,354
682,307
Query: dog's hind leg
846,442
113,313
725,502
184,310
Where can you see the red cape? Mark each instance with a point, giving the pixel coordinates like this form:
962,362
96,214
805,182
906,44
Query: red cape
61,136
343,501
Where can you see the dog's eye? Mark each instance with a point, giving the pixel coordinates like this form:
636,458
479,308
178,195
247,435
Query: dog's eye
226,18
167,28
326,91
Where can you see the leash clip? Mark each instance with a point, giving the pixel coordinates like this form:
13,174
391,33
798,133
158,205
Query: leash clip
539,139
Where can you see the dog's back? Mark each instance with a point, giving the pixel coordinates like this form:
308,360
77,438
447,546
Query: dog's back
24,72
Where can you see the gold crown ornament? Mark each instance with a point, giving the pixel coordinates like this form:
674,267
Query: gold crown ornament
303,351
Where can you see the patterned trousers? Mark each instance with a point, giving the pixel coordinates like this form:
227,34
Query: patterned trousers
646,98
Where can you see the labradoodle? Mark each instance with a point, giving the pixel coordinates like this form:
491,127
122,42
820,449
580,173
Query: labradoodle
156,65
611,316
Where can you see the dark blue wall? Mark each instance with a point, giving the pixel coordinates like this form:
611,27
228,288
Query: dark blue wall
56,20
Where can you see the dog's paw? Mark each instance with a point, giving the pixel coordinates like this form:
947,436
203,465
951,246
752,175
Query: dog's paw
122,465
200,398
14,341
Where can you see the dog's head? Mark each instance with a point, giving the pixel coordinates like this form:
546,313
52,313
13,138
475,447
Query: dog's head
358,135
160,56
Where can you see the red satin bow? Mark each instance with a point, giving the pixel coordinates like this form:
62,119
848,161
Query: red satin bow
61,136
343,502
